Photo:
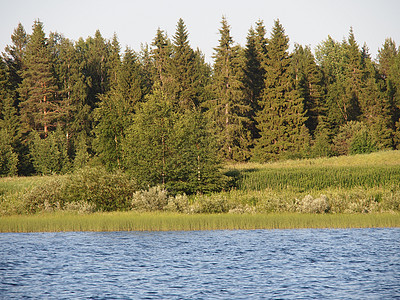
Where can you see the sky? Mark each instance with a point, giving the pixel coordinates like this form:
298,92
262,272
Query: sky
307,22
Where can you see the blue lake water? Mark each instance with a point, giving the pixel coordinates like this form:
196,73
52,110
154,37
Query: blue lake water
258,264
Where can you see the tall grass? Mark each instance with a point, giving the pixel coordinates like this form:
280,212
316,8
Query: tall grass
131,221
318,178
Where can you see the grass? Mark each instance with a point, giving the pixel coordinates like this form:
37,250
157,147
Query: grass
132,221
357,191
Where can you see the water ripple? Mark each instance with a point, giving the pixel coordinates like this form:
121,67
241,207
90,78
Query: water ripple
259,264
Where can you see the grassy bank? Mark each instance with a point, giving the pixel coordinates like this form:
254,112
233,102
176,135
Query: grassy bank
351,191
131,221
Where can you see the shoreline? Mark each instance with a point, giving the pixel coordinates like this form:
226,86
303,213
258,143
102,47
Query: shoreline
163,221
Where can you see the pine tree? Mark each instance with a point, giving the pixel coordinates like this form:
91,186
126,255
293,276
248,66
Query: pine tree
229,110
282,119
40,106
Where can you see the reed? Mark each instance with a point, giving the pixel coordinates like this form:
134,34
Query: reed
132,221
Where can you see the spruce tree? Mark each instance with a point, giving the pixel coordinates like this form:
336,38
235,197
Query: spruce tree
309,83
161,56
114,112
254,70
374,106
73,87
281,120
229,109
186,70
14,54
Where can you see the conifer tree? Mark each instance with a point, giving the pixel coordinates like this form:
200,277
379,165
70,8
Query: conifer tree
161,54
14,54
229,110
374,106
342,86
309,83
40,105
254,70
114,112
97,58
186,70
389,71
281,120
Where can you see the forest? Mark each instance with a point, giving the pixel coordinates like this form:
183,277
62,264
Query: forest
165,116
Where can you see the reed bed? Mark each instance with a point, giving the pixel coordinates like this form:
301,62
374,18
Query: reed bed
132,221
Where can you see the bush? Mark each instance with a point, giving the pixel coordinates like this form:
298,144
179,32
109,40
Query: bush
106,191
314,206
155,198
210,204
89,189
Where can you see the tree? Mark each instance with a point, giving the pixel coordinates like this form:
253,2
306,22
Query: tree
186,70
309,83
40,105
8,158
14,54
228,109
174,149
375,107
254,70
161,56
281,120
115,110
50,155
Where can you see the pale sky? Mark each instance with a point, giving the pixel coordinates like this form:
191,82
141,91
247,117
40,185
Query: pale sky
307,22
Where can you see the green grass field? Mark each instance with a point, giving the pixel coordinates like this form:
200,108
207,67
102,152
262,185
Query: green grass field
338,192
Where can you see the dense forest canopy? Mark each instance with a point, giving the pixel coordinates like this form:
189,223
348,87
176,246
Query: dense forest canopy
166,116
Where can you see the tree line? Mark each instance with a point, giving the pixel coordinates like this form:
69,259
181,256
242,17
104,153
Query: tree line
167,117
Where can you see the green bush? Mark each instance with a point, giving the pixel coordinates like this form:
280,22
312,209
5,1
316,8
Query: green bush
89,189
362,142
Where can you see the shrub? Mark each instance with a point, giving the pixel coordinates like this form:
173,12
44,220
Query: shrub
178,203
210,204
314,206
106,191
89,189
155,198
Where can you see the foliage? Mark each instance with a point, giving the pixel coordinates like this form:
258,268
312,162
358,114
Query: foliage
164,147
260,102
90,189
50,154
8,158
153,199
281,120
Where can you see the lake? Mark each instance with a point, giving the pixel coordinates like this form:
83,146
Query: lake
256,264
